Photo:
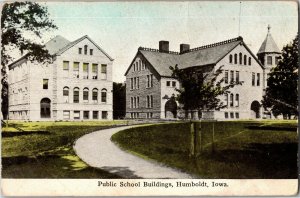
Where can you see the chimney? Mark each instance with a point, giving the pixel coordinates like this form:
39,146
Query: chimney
184,48
164,46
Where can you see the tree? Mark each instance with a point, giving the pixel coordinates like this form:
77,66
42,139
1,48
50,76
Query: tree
201,91
18,20
119,100
281,95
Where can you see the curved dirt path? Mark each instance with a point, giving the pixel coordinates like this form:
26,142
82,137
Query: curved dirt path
97,150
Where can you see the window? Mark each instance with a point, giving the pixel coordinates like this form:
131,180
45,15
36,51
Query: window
76,115
230,58
241,58
133,66
66,65
148,80
226,100
231,76
151,101
86,115
95,114
237,100
253,79
258,79
226,76
269,60
173,84
134,79
66,94
76,95
134,102
235,58
95,95
45,108
148,101
131,102
131,83
226,115
66,115
94,71
45,83
231,100
151,80
168,83
249,61
91,51
104,114
237,115
245,59
140,65
138,82
103,71
76,69
85,95
79,50
85,70
138,102
237,76
85,50
231,115
103,95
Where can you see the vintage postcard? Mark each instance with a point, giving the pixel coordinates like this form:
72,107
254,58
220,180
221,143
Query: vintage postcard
149,98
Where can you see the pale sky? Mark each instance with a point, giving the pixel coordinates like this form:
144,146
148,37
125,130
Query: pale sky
121,27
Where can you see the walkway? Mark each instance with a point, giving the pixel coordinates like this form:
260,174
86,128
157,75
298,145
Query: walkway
97,150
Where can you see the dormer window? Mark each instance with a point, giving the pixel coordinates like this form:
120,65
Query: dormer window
85,50
79,50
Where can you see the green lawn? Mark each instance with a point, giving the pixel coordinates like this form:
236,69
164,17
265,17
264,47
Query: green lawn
48,155
243,149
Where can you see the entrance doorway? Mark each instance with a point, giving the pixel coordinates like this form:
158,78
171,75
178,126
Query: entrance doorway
255,108
171,108
45,108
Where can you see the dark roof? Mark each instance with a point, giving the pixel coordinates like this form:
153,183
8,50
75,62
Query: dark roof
200,56
268,46
55,44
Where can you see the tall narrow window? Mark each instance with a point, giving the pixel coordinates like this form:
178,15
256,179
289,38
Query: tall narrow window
131,83
226,76
151,101
249,61
85,95
253,79
79,50
76,95
104,114
226,100
237,100
95,95
134,99
91,51
148,80
86,114
45,83
95,115
241,58
151,80
269,60
95,71
231,100
133,66
245,59
230,58
138,82
258,79
235,58
237,76
103,95
85,70
138,102
231,76
134,80
76,69
131,102
66,94
103,71
148,101
85,50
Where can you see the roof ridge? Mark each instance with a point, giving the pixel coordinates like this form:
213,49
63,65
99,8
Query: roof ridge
157,50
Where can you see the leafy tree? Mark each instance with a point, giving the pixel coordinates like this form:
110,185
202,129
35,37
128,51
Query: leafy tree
201,91
281,95
119,100
18,21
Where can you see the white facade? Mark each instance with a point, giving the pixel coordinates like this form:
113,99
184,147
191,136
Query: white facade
76,86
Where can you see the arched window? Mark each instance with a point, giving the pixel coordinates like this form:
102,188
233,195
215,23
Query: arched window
241,58
231,100
249,61
95,95
237,100
76,95
66,94
230,58
103,95
85,49
45,108
245,59
85,95
235,58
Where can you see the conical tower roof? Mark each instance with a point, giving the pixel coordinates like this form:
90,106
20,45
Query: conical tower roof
269,45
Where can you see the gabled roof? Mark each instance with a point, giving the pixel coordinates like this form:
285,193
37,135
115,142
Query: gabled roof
200,56
59,45
269,45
